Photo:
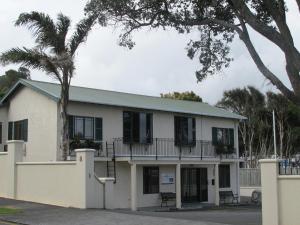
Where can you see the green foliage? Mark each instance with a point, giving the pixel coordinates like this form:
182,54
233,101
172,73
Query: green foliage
256,134
188,96
218,23
11,77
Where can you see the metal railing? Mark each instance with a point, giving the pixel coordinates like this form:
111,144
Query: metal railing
162,148
288,167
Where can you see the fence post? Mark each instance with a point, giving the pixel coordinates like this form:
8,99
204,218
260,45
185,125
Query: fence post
14,154
269,187
156,148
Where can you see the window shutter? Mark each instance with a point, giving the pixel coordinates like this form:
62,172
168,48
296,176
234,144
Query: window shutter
214,136
149,128
71,127
98,129
194,130
231,137
25,130
10,131
0,133
177,130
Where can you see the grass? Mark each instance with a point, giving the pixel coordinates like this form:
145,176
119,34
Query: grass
8,211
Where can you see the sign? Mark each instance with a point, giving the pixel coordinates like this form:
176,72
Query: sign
167,178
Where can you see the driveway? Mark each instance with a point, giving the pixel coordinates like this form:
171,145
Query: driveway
35,214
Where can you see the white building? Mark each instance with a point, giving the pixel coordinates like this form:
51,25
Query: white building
150,145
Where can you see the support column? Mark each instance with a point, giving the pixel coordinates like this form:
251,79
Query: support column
133,187
14,154
269,189
217,195
178,186
85,172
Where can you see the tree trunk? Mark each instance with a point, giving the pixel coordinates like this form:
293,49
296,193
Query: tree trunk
64,145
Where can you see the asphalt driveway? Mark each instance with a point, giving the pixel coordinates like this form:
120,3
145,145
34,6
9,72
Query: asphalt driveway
40,214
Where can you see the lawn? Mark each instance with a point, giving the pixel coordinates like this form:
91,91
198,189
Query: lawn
7,211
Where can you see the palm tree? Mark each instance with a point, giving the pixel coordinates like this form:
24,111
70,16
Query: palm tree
53,53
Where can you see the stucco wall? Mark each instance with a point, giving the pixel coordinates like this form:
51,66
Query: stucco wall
3,169
289,199
41,113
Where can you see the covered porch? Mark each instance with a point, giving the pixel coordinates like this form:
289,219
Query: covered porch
192,183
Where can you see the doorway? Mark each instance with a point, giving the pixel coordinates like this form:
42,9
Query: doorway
194,185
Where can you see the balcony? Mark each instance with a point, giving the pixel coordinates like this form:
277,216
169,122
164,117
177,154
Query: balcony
158,149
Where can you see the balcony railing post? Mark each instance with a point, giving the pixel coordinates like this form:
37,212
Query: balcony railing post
114,151
156,148
106,148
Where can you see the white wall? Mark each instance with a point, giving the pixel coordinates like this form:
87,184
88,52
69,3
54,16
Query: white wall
3,169
41,113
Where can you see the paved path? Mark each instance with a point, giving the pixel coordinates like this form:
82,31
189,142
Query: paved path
39,214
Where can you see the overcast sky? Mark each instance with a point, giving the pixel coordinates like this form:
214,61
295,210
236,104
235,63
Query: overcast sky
157,64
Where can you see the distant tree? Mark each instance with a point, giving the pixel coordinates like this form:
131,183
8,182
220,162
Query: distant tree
187,95
54,54
11,77
218,22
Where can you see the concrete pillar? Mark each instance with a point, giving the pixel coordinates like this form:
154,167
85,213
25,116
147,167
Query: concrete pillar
108,192
14,154
133,188
178,186
217,195
85,171
269,188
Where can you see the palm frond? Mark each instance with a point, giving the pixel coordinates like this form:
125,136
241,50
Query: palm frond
42,27
62,27
82,30
30,58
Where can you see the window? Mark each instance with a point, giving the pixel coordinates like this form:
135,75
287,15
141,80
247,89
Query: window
18,130
137,127
223,136
151,180
85,128
224,176
185,130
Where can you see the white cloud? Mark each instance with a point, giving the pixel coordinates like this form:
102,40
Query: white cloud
157,64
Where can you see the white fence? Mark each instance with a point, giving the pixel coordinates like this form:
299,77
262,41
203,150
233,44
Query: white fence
250,177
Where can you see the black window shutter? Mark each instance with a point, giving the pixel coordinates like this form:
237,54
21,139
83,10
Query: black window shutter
214,136
0,133
177,130
149,127
71,126
127,126
231,136
25,130
136,127
194,130
98,129
10,131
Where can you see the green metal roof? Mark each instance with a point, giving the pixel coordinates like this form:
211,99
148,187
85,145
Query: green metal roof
120,99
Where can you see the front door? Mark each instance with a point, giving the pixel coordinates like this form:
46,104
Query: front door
194,184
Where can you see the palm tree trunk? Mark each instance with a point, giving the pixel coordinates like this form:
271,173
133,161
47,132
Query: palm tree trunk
64,118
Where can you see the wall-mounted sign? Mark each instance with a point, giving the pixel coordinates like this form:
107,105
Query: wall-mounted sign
167,178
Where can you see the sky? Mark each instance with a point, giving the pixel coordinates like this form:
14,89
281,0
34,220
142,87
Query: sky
157,64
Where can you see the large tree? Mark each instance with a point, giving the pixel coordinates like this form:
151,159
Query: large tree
53,53
187,95
11,77
217,21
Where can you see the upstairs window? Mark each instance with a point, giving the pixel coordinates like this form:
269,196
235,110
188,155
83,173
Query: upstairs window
223,136
18,130
85,128
137,127
185,131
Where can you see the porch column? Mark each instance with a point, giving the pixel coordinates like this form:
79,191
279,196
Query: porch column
133,187
217,196
178,186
